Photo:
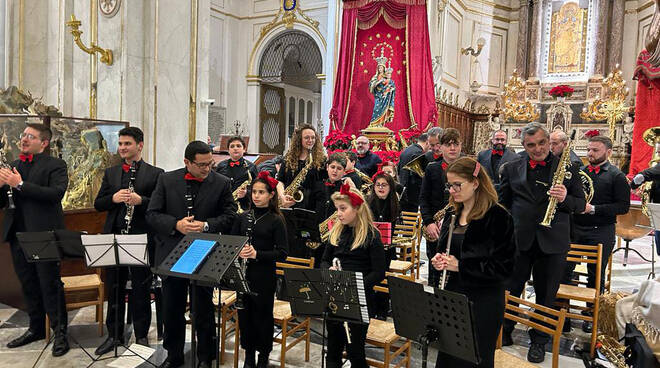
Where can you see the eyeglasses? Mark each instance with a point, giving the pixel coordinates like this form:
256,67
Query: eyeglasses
29,136
204,165
456,186
385,185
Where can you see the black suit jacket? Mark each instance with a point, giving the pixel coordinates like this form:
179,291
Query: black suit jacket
528,211
40,198
409,180
213,204
223,168
433,195
145,183
484,158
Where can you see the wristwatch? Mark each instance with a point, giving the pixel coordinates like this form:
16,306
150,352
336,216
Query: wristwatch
20,185
206,226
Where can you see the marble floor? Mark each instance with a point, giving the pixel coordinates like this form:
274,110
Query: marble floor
84,336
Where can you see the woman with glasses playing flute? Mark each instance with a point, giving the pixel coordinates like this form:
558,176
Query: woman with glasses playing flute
480,256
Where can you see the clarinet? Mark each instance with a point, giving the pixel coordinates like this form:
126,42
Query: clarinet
10,192
243,262
130,209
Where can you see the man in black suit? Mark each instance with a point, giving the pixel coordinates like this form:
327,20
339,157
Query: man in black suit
433,195
408,179
492,159
367,160
191,199
236,168
525,187
434,152
558,141
114,197
38,182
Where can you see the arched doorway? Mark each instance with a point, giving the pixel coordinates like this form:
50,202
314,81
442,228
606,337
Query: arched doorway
290,88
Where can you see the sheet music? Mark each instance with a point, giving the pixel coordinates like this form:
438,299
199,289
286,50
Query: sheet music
133,249
98,249
654,209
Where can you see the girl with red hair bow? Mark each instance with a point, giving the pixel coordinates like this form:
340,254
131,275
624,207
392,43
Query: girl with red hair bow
354,245
265,227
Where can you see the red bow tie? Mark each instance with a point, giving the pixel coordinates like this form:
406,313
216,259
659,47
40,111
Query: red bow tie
498,152
189,176
234,163
329,184
27,158
125,167
533,163
593,169
436,157
444,166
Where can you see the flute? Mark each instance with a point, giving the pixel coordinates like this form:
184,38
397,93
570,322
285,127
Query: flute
451,232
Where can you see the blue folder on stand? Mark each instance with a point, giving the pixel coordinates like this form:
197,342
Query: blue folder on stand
194,256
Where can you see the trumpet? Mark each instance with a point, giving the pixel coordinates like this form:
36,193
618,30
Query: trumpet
324,227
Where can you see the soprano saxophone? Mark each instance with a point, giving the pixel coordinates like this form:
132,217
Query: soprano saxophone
130,209
561,173
243,185
293,189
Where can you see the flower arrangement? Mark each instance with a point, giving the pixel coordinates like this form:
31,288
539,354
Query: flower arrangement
410,135
562,90
337,140
592,133
392,156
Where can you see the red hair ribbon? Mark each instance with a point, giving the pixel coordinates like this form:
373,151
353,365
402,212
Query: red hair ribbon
356,200
477,167
379,172
265,175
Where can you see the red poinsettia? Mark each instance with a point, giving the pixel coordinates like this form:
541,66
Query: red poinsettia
337,140
392,156
562,90
592,133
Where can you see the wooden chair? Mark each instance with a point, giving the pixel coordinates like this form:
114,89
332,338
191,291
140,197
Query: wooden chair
82,291
285,319
224,301
415,219
553,322
583,254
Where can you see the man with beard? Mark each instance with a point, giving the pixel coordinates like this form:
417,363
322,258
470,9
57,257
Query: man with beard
408,179
367,160
525,190
433,195
492,159
596,224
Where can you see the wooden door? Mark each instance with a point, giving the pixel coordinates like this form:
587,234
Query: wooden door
272,120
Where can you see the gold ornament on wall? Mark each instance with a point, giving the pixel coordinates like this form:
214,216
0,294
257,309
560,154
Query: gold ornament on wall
613,108
106,54
516,107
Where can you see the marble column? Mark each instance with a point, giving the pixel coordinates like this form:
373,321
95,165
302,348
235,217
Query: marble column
601,38
535,45
616,35
332,42
523,26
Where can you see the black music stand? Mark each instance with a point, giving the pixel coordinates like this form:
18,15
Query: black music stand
210,270
113,251
441,319
330,295
52,246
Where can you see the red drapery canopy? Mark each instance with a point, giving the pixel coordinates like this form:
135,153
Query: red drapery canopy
364,22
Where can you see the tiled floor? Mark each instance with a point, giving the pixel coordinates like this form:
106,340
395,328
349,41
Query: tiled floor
84,331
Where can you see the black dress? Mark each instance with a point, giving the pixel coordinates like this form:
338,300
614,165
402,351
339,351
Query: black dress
269,240
369,259
380,208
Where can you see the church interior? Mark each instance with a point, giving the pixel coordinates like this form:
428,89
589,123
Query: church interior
388,70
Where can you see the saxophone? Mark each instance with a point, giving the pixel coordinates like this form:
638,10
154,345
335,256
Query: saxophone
130,209
367,183
294,188
243,185
560,174
436,218
324,228
613,351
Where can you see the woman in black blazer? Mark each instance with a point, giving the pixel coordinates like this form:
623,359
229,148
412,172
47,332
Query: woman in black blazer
481,256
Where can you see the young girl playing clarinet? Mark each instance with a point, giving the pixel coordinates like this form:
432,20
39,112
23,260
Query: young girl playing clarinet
354,245
264,225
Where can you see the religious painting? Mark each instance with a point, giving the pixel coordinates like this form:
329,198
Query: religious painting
568,39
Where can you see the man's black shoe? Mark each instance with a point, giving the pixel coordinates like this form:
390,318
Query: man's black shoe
567,326
507,340
250,362
262,362
587,326
142,341
25,339
60,345
107,346
536,353
171,363
204,365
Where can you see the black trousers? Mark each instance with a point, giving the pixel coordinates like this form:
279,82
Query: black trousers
139,300
175,292
42,290
256,322
488,311
431,251
337,341
548,271
592,235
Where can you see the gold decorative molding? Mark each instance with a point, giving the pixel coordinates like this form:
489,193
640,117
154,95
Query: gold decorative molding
106,54
192,107
614,107
516,106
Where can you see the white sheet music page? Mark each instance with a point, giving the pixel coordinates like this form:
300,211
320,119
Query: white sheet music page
98,250
133,249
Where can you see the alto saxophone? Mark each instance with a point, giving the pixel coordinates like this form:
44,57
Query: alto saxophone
130,209
367,183
293,189
561,173
243,185
436,218
324,227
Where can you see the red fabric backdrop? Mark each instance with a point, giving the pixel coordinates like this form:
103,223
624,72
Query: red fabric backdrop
401,27
647,110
